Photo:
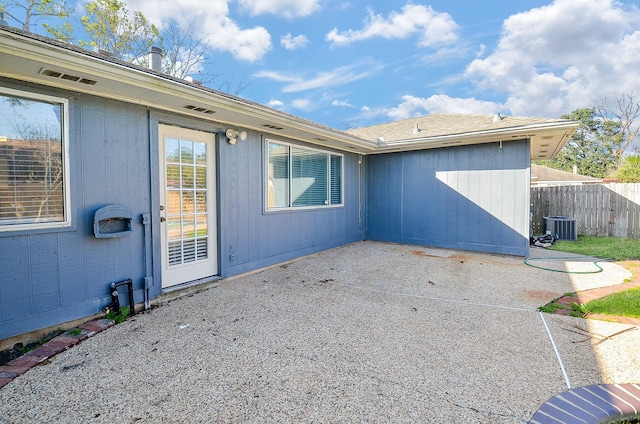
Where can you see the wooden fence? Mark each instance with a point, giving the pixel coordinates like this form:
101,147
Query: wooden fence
611,209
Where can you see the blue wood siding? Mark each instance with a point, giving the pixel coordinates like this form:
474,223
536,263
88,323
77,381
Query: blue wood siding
473,197
48,277
251,238
470,197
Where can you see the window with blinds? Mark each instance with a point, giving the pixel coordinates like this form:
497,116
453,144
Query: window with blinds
300,177
32,161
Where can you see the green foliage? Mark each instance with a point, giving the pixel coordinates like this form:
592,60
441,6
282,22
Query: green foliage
614,248
28,13
120,316
32,346
592,147
550,308
629,171
625,303
112,28
62,33
74,331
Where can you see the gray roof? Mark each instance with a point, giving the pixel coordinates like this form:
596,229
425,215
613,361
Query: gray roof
547,136
444,124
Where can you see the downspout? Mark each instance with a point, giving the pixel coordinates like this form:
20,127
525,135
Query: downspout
148,279
360,192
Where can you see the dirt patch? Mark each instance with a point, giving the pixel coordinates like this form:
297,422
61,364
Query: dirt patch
20,349
436,254
540,295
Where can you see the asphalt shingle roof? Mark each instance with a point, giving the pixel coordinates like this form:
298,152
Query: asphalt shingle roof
444,124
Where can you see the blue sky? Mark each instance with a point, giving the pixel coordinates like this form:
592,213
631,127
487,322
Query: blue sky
352,64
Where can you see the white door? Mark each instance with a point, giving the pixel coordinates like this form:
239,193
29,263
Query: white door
187,205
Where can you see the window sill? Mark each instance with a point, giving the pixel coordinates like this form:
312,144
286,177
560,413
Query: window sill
10,232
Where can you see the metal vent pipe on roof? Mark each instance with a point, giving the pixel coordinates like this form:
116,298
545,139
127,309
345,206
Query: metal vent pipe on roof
155,59
3,21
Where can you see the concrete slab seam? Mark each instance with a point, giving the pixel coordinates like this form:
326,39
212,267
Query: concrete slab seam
555,349
418,296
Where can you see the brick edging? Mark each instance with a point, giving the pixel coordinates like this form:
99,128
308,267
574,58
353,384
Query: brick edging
16,367
590,404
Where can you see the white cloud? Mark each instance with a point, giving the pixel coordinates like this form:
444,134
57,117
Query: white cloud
339,76
413,106
287,8
302,104
433,27
290,42
557,58
277,104
341,103
212,19
440,103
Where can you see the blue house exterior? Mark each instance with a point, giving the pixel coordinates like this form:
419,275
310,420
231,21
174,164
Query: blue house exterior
446,198
120,173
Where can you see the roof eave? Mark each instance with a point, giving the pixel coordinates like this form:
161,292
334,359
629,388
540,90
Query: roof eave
155,90
560,131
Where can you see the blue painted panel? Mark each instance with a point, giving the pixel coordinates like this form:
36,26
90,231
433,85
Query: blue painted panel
44,281
53,276
471,197
15,292
251,238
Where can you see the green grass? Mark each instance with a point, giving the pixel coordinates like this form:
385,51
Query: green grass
626,303
614,248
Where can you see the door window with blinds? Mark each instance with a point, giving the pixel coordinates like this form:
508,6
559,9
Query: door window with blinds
33,149
299,177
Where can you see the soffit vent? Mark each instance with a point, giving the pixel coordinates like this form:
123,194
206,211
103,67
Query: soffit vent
67,77
199,109
273,127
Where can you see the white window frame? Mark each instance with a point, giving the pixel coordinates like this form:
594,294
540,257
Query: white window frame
290,207
64,112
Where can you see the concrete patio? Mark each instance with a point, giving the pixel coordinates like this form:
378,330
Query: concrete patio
368,332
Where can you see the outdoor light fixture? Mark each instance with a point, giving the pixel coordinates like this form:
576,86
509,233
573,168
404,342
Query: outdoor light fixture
233,135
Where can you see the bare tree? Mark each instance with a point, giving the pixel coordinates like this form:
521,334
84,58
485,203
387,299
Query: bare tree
184,53
228,86
624,112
